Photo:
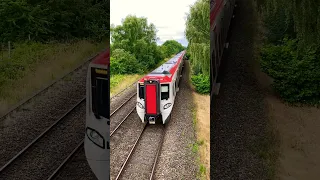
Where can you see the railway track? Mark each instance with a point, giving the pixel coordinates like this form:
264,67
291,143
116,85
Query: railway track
81,143
27,99
20,155
150,170
29,118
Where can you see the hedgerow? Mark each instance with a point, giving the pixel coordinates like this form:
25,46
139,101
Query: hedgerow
296,74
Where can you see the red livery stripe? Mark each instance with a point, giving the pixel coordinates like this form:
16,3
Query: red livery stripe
151,99
103,58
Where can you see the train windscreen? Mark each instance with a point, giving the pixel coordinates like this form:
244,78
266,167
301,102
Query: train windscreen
100,92
164,91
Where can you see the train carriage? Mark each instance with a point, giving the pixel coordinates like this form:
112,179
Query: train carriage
97,132
221,13
156,91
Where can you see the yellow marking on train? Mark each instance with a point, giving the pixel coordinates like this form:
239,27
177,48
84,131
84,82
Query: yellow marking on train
101,71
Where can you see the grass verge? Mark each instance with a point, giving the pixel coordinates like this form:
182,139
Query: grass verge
119,82
33,66
201,122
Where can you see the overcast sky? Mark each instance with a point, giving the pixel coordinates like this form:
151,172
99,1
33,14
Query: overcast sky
169,16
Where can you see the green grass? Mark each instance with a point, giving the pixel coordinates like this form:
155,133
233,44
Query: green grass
119,82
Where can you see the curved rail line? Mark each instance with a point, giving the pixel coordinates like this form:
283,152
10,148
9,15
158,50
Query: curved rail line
51,127
134,147
27,99
40,136
81,143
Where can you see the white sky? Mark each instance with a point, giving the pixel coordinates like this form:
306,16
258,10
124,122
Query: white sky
169,16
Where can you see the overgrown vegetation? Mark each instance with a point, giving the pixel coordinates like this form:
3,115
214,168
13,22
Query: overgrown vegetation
134,48
41,20
47,39
291,53
197,33
201,83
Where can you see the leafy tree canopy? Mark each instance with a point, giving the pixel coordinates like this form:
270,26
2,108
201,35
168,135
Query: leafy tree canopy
197,33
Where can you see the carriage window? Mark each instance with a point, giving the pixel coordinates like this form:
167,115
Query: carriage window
164,91
100,93
141,91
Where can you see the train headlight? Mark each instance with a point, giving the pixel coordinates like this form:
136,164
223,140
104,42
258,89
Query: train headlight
140,105
166,106
95,137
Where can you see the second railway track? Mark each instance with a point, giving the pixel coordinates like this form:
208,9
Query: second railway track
80,144
45,153
48,150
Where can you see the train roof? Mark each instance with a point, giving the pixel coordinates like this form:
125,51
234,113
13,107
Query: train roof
165,72
103,58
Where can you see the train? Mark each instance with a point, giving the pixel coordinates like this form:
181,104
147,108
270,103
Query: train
221,14
97,128
156,92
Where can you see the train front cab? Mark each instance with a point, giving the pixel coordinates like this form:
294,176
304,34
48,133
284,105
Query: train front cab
155,100
97,132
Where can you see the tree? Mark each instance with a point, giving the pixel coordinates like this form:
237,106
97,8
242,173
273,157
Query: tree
171,47
138,38
197,33
124,63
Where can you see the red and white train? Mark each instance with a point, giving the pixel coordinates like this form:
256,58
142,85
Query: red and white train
221,13
156,92
97,132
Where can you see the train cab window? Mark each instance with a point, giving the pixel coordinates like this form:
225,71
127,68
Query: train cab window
100,93
141,91
164,91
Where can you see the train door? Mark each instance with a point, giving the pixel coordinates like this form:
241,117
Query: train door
152,100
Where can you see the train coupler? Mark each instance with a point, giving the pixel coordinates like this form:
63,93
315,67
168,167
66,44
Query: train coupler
152,120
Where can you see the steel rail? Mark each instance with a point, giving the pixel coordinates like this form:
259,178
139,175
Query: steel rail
132,149
27,99
40,136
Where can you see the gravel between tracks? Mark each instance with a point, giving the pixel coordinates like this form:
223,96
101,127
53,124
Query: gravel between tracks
141,162
238,118
77,168
122,142
32,118
176,160
46,155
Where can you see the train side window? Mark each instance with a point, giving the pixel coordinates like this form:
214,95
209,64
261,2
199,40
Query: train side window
141,91
164,91
100,94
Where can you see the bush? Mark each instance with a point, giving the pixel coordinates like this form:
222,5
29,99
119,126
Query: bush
296,74
124,63
201,83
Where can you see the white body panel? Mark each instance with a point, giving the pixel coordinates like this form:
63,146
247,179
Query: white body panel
97,157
